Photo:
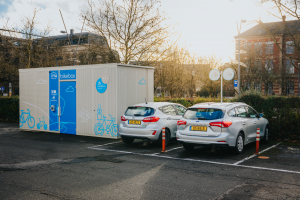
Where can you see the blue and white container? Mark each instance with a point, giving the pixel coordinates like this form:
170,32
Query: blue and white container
82,100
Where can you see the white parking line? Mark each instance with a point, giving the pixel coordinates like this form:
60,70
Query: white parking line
255,154
174,149
107,144
203,161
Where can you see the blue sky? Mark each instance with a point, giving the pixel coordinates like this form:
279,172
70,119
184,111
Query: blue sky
206,26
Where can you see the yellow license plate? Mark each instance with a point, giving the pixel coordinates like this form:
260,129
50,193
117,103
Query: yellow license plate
198,128
137,122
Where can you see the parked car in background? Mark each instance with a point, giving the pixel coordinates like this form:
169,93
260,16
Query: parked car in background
221,125
146,120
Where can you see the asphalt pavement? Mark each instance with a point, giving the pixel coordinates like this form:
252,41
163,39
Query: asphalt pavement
40,165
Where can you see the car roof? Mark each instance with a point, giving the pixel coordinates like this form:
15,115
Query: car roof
223,106
154,104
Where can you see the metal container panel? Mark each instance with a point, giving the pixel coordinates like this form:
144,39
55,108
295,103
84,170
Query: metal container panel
99,108
135,85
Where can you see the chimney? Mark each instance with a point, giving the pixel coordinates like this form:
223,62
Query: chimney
283,18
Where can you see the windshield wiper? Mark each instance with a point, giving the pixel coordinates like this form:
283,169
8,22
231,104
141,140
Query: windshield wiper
138,115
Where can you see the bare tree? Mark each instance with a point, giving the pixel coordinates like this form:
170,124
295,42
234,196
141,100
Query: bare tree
133,27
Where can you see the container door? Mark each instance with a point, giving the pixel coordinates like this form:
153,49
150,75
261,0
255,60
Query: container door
68,107
53,101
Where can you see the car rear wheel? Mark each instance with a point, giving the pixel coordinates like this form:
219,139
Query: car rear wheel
167,138
188,147
266,136
127,140
239,144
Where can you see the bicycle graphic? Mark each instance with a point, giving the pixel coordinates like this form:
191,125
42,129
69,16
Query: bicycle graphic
42,124
29,119
111,128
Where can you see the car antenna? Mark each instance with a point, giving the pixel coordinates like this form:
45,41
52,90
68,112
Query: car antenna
146,101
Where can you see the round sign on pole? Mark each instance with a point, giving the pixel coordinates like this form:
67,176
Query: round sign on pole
214,75
228,74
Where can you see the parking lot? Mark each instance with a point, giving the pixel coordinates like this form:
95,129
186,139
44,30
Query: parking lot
58,166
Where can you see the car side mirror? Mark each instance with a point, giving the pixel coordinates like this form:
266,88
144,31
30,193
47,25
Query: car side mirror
261,115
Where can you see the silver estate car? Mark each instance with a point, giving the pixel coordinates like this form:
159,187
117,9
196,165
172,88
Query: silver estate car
221,125
146,120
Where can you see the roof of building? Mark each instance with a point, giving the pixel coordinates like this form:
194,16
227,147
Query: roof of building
275,28
83,67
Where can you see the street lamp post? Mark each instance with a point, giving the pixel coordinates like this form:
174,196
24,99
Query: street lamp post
298,77
239,52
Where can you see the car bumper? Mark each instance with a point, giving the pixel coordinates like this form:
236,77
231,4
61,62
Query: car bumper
146,133
204,141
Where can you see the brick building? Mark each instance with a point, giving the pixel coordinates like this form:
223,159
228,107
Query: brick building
269,52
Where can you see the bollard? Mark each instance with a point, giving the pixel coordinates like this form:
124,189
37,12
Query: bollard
163,139
257,141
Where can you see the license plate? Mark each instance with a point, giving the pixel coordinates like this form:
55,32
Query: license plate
137,122
198,128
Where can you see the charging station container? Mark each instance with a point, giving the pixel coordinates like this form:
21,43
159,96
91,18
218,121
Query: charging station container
82,100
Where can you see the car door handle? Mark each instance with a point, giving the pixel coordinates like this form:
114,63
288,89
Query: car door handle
244,123
254,122
169,118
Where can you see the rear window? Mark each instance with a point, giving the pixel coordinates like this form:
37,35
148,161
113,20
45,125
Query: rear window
139,111
203,114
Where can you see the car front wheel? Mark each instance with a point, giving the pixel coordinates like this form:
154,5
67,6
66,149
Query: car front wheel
239,144
266,136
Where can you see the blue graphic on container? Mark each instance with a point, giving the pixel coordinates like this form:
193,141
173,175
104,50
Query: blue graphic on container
29,119
70,89
68,114
142,81
199,115
100,86
2,88
42,124
67,74
102,125
53,100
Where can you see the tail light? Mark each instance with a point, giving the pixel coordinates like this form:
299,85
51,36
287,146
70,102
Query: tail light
223,124
181,122
123,118
151,119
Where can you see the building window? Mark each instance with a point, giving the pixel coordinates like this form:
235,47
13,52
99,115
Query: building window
246,86
290,87
269,66
258,65
269,47
257,86
270,88
289,67
290,47
258,47
247,47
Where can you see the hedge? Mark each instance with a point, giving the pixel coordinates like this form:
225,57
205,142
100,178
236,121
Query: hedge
9,109
282,112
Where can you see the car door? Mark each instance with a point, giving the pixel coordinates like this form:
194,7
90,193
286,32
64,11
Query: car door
257,121
241,114
251,123
171,118
180,110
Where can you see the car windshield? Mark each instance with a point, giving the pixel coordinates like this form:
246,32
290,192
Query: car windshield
139,111
203,114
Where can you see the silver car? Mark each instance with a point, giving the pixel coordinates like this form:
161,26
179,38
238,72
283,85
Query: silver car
146,120
221,125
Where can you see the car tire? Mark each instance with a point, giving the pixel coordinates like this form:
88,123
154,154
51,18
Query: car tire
266,135
239,144
188,147
167,140
127,140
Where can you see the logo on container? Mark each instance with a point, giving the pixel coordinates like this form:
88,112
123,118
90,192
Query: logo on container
67,76
53,75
